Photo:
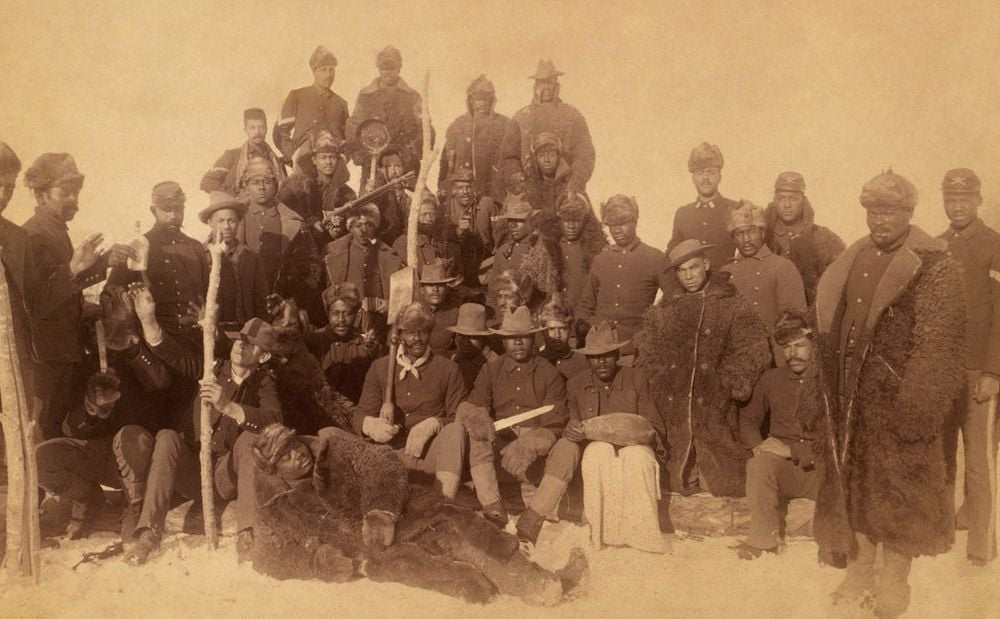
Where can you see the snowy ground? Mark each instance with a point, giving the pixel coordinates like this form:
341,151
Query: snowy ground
702,577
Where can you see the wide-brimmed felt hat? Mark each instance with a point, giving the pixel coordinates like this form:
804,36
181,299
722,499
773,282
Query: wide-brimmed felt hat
435,273
684,251
517,208
602,339
517,323
257,332
219,200
471,321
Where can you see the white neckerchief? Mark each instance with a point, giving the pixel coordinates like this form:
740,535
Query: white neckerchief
404,365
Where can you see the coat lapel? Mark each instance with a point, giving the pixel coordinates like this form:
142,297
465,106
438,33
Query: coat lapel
831,285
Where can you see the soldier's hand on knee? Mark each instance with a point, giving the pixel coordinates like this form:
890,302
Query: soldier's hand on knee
574,432
515,458
420,434
378,429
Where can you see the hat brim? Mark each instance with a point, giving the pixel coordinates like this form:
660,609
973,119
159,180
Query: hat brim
593,351
468,332
684,258
428,282
509,333
237,205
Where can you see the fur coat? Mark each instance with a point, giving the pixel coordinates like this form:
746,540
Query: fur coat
885,437
703,353
811,251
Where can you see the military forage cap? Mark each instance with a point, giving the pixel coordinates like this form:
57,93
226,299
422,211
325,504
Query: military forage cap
889,189
389,58
52,169
705,155
619,209
960,180
746,214
322,57
168,195
253,113
9,163
790,181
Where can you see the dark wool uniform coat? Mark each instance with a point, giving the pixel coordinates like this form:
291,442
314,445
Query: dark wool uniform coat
475,144
708,225
887,431
399,107
810,247
227,172
703,352
306,109
345,263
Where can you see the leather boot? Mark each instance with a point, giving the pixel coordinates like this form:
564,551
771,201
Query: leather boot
892,594
859,582
529,525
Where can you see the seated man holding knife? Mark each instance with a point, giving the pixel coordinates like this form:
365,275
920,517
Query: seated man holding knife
515,384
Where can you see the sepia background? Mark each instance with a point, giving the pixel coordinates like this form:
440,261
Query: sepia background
145,92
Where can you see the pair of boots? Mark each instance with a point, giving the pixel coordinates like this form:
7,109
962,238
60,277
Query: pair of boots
886,589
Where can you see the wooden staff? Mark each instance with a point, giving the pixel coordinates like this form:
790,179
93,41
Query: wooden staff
208,331
23,553
409,272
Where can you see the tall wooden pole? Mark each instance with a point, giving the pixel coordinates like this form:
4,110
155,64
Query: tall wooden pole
208,331
23,552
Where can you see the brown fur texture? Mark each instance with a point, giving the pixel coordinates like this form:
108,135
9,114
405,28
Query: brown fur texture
893,484
811,252
703,353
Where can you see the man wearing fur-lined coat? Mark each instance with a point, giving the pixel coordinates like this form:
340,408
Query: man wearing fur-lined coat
890,320
703,348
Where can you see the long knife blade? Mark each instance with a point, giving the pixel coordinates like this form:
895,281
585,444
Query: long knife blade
513,420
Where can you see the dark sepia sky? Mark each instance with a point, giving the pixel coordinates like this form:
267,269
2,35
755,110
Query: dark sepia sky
144,92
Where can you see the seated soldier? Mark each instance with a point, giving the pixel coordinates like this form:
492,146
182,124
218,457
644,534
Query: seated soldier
471,351
427,389
555,346
437,295
783,464
620,483
335,508
366,262
432,241
515,383
241,401
343,353
318,185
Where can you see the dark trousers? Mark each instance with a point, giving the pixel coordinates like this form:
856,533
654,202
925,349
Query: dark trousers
175,469
771,482
51,396
76,469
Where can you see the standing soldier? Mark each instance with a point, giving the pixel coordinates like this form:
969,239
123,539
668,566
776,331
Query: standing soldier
792,233
229,172
547,112
624,277
392,101
705,218
269,226
976,247
767,281
890,318
578,248
703,349
311,108
55,338
473,141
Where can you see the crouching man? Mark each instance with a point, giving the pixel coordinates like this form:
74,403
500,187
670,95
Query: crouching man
620,484
335,508
783,465
516,382
243,399
427,389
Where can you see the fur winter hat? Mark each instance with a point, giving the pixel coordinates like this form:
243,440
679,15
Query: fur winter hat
889,189
554,313
9,163
259,166
389,58
705,155
322,57
365,210
347,292
746,214
272,444
619,209
546,140
52,169
415,317
167,195
573,206
791,325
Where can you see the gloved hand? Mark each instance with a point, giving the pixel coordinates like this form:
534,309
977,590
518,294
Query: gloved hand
420,434
378,429
537,440
378,529
574,432
476,421
515,458
986,388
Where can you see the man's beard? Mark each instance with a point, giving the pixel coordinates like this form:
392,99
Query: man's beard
556,347
426,229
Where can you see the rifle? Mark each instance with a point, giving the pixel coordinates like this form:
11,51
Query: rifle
371,196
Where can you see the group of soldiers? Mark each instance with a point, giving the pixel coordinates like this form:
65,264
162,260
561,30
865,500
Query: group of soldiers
754,356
